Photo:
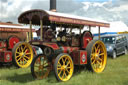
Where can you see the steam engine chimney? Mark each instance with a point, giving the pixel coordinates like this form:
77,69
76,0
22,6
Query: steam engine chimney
53,5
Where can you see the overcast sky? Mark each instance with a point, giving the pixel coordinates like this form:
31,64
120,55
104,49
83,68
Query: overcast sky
109,10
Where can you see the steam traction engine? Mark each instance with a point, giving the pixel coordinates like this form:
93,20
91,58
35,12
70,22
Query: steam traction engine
62,48
10,34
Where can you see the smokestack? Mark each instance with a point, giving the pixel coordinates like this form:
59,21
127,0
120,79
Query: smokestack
53,5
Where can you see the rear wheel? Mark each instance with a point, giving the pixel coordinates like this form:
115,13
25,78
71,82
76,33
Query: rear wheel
12,40
40,67
63,67
22,54
114,55
97,56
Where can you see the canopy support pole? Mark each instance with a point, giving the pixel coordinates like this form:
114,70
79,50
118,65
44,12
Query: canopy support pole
99,32
30,34
80,30
89,28
41,30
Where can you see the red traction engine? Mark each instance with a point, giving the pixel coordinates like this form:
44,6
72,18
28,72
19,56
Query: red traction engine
65,44
10,35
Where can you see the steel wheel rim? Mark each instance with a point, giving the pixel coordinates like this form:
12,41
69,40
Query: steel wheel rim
41,67
98,56
24,55
65,68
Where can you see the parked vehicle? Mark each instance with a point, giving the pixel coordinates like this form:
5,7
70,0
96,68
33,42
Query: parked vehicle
115,44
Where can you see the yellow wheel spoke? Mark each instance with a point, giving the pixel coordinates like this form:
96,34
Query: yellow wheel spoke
98,47
24,48
68,67
19,59
23,61
93,62
98,51
59,69
21,48
98,62
17,56
27,57
68,63
94,65
67,70
100,59
27,53
92,56
36,66
95,50
17,52
101,54
63,74
63,61
59,64
59,72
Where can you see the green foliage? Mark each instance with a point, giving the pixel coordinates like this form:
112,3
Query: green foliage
116,73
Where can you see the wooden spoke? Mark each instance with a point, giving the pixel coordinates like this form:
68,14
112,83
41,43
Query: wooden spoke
63,74
59,72
26,57
67,70
101,54
19,59
93,62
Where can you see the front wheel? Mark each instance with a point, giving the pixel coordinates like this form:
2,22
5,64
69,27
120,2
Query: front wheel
114,55
96,56
63,67
22,54
126,51
40,67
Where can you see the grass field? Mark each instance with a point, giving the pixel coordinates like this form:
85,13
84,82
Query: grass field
116,73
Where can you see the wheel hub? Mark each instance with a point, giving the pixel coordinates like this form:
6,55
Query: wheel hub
96,57
22,55
40,67
64,67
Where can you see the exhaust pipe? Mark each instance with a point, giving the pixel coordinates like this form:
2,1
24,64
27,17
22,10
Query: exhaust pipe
53,5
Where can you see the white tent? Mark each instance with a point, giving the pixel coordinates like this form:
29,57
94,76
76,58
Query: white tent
117,26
